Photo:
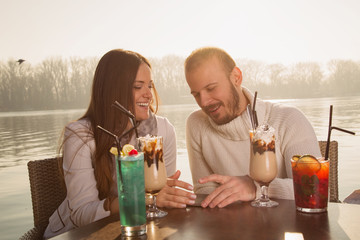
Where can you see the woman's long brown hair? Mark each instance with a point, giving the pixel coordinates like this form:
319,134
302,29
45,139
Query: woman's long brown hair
113,81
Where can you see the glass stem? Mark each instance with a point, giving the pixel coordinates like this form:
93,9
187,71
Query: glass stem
154,203
264,193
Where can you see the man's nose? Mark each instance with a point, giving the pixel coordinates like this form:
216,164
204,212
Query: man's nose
204,99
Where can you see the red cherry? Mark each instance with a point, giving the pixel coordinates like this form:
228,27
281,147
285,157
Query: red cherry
133,152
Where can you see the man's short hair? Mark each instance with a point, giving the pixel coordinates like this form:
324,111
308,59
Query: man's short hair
202,54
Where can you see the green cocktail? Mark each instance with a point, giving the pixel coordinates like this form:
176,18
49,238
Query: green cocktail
131,192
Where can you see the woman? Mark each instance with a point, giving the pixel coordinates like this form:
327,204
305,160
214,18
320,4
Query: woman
88,166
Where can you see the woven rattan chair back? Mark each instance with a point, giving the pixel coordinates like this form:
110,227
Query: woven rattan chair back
333,171
47,192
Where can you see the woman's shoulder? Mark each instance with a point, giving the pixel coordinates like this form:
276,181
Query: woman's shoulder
81,127
164,126
163,122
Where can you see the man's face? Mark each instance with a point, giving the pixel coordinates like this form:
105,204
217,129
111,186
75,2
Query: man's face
214,92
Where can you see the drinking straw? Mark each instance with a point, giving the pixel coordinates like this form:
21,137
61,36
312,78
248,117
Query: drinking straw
255,119
248,107
329,132
118,145
117,105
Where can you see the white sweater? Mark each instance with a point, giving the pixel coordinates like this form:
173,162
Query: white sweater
82,204
225,149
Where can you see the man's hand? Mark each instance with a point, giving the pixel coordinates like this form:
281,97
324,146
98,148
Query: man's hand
173,194
231,189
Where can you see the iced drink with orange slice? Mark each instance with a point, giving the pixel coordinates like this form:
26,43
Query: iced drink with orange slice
311,179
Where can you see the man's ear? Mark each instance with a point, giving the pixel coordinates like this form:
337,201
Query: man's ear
236,76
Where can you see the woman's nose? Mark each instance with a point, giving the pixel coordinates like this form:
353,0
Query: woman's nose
148,93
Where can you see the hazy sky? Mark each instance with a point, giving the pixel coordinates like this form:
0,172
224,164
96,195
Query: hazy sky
282,31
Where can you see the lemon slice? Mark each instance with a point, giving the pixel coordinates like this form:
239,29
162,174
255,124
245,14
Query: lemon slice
308,162
296,157
114,151
127,148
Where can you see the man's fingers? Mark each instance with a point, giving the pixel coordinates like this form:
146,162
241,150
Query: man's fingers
211,201
225,195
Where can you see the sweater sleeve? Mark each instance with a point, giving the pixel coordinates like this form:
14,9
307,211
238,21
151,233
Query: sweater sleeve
296,137
167,130
198,165
82,193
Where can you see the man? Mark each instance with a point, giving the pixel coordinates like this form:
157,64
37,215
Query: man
217,136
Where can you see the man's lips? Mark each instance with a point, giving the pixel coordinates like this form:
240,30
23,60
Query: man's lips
212,109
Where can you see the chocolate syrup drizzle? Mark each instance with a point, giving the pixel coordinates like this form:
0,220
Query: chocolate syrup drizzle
260,146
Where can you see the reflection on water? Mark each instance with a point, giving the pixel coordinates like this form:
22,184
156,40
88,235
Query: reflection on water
28,136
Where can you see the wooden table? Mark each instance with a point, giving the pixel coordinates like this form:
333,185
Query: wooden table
237,221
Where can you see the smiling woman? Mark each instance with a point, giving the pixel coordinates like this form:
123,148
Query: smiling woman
123,77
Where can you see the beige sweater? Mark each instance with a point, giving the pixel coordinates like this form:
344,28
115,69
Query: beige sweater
225,149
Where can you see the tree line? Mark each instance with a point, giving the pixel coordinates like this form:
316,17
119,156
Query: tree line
60,83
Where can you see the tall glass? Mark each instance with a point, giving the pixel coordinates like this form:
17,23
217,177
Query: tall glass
263,167
131,193
311,180
155,172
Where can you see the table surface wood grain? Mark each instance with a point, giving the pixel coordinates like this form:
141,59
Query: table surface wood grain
237,221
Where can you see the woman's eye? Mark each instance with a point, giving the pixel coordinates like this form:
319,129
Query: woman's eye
137,87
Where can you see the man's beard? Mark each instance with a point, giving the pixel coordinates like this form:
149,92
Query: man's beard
233,105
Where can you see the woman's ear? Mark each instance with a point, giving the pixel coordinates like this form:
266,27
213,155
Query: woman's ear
236,76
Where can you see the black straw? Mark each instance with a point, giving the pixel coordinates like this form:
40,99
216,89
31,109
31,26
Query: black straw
118,145
248,107
255,119
329,133
120,107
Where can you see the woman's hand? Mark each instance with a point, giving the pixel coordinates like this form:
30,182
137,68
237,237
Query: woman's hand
176,193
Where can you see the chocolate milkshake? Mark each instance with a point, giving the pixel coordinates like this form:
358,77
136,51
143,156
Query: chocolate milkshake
263,168
154,166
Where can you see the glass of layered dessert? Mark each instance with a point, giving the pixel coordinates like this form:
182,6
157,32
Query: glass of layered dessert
263,167
154,171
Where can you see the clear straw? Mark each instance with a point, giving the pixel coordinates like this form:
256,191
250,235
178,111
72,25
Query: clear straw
329,133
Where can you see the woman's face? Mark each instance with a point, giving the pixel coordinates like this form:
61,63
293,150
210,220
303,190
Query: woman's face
142,92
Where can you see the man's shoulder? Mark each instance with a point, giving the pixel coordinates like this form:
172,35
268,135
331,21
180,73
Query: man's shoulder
197,116
285,109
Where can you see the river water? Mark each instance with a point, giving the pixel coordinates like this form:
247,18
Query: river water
34,135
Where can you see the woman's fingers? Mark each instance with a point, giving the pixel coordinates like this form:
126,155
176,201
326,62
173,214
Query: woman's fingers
180,184
176,175
175,197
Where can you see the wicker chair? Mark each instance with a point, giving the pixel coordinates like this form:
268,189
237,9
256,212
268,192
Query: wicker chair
47,192
333,171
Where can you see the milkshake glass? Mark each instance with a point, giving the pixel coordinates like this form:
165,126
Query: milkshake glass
155,172
263,167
